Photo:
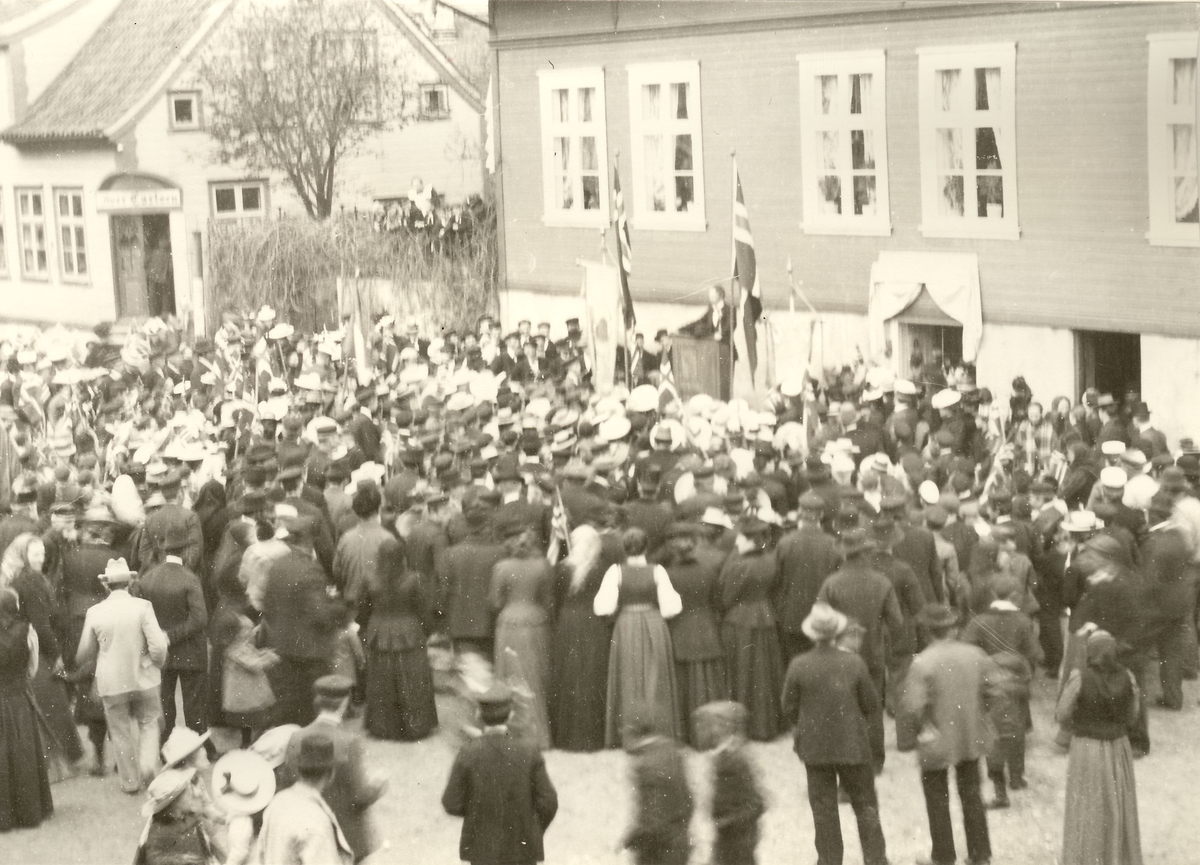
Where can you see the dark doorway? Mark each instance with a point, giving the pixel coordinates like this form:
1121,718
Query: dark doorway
143,266
922,344
1109,362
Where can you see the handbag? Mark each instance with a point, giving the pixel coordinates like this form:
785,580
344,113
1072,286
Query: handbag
244,687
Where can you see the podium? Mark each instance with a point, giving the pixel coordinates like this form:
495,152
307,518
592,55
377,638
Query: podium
702,366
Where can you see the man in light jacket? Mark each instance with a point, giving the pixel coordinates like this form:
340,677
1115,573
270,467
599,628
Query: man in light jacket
944,716
122,635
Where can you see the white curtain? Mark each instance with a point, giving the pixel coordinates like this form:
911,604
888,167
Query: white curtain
1185,164
829,150
949,149
1185,81
563,106
585,103
991,80
952,280
947,88
827,93
652,156
650,101
864,85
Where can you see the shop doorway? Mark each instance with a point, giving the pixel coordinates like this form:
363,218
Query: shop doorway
144,269
922,344
1109,362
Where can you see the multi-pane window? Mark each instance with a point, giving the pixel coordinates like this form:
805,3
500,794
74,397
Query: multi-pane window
240,199
1172,116
31,233
843,149
574,148
71,238
184,110
968,141
435,101
667,151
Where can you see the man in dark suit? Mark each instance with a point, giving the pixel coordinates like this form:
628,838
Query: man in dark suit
301,621
171,513
464,573
1147,439
806,557
647,513
499,786
718,323
509,357
178,600
663,811
829,698
352,789
917,548
291,480
363,429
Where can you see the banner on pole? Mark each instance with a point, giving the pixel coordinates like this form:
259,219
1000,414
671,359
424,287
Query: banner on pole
605,320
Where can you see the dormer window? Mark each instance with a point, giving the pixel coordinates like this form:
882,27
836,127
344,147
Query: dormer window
184,109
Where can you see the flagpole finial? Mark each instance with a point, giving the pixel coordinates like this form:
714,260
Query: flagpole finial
733,154
789,264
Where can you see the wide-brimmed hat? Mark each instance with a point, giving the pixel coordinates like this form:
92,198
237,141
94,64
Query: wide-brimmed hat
1079,522
938,616
946,398
272,744
180,744
117,571
165,789
243,782
613,429
823,623
643,398
716,517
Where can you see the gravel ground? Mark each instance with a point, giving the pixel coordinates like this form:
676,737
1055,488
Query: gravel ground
94,824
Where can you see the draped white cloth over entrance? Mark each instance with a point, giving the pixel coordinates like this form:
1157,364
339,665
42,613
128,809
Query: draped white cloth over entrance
952,280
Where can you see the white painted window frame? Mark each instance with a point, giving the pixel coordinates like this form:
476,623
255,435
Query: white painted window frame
1161,115
70,246
435,86
1002,55
812,122
33,223
643,216
180,126
3,239
573,80
238,186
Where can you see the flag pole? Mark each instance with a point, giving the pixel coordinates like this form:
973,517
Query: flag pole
735,285
621,265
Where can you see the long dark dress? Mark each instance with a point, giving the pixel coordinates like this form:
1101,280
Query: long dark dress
641,663
49,692
579,672
25,798
753,659
695,636
523,592
400,701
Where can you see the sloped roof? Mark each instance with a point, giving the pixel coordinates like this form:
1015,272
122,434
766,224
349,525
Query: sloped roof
113,71
10,10
451,74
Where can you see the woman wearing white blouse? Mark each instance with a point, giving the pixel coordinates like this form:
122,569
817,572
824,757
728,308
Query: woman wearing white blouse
641,667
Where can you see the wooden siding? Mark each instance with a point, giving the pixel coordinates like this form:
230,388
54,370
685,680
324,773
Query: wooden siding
1082,261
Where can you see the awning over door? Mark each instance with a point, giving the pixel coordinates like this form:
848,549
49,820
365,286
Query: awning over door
952,280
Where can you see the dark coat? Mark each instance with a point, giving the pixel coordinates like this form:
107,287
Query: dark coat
919,551
663,810
366,436
499,786
652,517
695,634
300,617
868,597
806,557
192,557
828,695
465,573
737,805
178,601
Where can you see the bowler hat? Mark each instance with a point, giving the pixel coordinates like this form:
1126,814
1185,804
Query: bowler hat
334,686
938,616
316,753
856,541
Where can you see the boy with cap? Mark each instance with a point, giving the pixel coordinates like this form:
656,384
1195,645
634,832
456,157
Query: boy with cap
499,786
299,827
351,789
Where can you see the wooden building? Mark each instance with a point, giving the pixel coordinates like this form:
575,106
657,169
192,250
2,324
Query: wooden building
1038,157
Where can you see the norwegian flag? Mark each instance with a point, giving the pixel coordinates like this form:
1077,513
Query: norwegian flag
625,257
745,271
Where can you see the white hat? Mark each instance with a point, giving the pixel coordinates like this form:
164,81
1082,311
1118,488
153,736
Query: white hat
165,789
180,744
265,314
117,571
946,398
1081,521
1113,448
872,394
272,744
281,331
1113,477
792,387
904,387
616,427
929,493
643,398
716,517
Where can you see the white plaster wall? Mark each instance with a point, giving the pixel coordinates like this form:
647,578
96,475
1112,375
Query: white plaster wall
1171,385
1044,355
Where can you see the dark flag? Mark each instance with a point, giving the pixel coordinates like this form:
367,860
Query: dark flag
745,271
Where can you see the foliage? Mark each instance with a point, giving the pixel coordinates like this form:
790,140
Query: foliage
298,86
442,269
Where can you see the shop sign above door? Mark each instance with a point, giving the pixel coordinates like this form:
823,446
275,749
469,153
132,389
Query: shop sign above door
137,200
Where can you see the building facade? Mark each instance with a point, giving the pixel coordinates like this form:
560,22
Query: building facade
109,182
1028,165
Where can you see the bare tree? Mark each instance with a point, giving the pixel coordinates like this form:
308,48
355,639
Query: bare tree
298,86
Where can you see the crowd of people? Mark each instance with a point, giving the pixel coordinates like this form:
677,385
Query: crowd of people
275,531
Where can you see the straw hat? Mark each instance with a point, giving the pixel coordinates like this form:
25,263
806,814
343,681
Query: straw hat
272,744
165,789
181,744
117,571
243,782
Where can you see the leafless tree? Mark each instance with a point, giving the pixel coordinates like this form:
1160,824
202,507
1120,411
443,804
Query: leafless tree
297,86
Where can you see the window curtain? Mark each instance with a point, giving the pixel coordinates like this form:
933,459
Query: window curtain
828,93
952,280
991,80
1185,164
650,100
1184,92
947,84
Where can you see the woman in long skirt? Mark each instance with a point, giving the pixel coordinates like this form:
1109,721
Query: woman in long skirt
579,672
753,659
641,662
25,798
41,610
400,701
522,592
1100,702
695,632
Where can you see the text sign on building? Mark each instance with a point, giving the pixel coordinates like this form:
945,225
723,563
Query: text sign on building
125,200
